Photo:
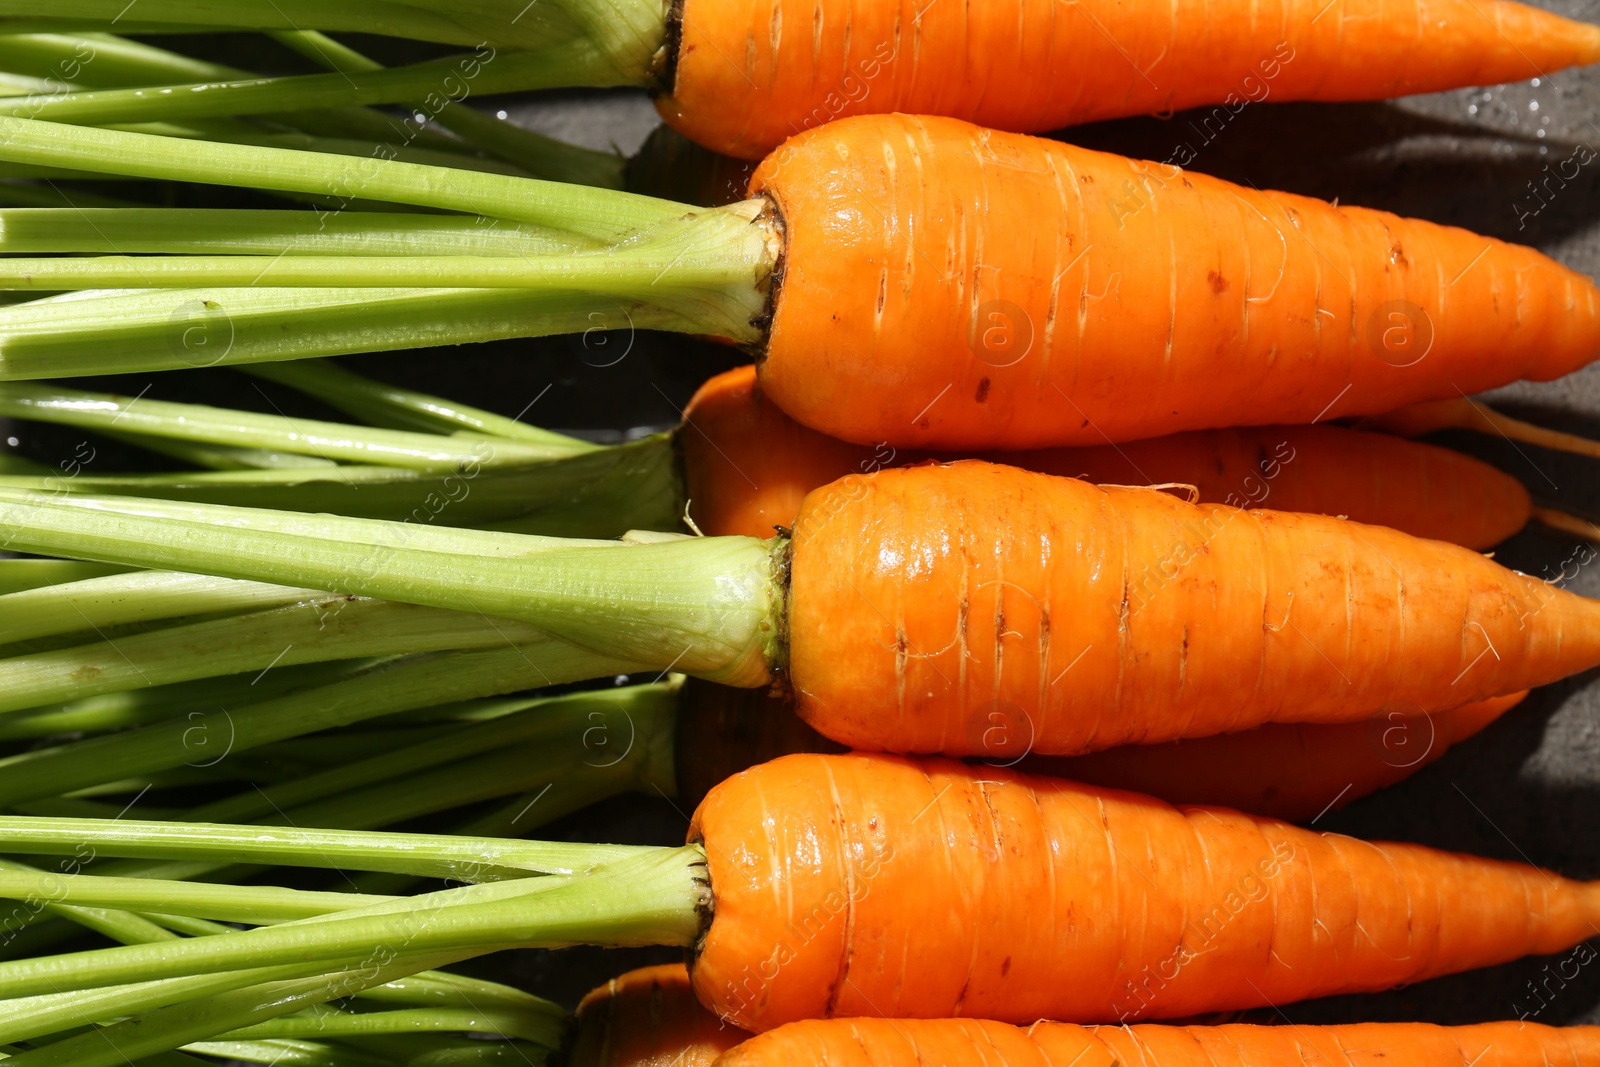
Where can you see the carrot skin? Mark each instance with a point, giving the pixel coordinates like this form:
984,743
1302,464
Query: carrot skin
751,73
946,286
974,1043
974,609
886,886
648,1017
748,466
1289,771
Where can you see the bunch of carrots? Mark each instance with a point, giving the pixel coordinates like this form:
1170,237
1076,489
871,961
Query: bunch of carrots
1068,550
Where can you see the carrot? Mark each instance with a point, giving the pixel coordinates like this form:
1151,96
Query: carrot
976,602
1072,902
742,75
923,282
917,609
748,465
751,73
824,885
944,286
1291,771
648,1018
963,1043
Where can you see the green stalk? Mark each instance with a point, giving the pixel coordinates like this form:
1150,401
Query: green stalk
627,731
328,441
601,214
628,31
137,597
694,258
32,1017
313,630
212,457
122,332
390,406
124,230
655,896
224,903
705,606
207,738
408,1021
137,707
244,133
168,1028
536,154
601,493
103,61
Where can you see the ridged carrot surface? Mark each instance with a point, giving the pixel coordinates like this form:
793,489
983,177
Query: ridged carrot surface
751,73
749,466
648,1017
945,286
879,885
941,608
974,1043
1293,771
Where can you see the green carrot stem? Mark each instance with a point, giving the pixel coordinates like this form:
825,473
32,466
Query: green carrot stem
466,859
409,1021
329,441
32,1017
212,457
224,903
656,896
136,597
600,493
171,1027
390,406
535,154
18,575
547,738
47,900
243,133
645,273
137,707
299,1052
704,606
258,641
629,31
127,331
102,60
123,230
202,738
601,214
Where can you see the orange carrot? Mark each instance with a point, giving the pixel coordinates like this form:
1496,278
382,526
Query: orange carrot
939,608
973,1043
917,609
750,73
872,885
648,1018
1291,771
945,286
748,466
